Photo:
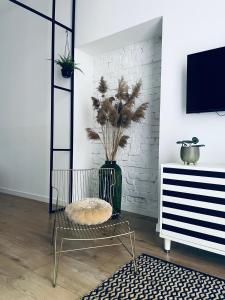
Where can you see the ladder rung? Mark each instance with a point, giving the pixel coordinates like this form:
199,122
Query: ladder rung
59,149
63,26
56,210
62,88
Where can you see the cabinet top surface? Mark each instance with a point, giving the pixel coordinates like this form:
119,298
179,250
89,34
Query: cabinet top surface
216,167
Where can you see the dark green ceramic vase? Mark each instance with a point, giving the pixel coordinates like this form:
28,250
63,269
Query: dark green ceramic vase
117,188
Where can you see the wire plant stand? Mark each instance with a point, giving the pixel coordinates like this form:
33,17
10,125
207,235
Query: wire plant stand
87,183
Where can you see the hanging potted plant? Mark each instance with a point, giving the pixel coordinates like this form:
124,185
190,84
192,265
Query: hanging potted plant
115,114
66,61
67,65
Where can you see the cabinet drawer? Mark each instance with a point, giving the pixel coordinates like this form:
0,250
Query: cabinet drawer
193,206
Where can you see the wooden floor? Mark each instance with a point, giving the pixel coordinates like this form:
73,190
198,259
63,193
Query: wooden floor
26,255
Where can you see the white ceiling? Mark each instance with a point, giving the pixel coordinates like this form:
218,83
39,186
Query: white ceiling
142,32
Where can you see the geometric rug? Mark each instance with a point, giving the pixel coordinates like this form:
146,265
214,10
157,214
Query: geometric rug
159,280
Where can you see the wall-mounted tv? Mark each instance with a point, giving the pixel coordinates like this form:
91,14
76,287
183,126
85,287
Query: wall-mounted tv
206,81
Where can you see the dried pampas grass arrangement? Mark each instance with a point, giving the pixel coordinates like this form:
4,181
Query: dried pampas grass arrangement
115,114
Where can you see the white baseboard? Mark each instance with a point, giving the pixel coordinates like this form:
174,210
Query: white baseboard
157,227
45,199
40,198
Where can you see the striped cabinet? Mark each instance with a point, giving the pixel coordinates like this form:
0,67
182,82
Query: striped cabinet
192,206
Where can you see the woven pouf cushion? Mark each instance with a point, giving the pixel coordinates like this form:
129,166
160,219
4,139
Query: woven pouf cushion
89,211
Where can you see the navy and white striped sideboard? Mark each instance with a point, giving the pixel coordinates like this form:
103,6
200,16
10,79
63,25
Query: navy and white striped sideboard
192,208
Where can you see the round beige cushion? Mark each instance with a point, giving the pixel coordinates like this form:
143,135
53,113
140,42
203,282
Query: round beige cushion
89,211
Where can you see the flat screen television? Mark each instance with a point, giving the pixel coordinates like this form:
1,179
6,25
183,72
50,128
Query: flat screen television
206,81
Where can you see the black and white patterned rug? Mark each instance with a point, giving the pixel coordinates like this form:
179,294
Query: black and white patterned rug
159,280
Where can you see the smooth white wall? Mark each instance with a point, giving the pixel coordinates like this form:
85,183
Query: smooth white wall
188,26
97,19
25,98
25,106
83,110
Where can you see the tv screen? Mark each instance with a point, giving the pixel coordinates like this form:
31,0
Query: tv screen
206,81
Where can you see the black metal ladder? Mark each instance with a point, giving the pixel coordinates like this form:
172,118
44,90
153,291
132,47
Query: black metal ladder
70,90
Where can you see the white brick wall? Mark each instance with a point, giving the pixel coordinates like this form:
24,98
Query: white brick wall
139,161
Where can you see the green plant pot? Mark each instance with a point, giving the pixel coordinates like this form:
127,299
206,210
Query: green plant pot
117,187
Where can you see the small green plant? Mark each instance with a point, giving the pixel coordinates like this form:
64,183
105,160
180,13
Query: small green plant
190,143
67,63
